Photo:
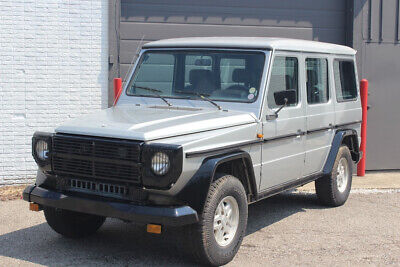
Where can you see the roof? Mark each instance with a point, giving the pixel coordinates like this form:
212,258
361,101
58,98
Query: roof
252,43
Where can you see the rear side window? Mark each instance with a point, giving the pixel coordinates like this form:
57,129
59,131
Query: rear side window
317,80
345,80
284,76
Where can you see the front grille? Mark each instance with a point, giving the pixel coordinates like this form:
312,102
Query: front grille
97,147
98,158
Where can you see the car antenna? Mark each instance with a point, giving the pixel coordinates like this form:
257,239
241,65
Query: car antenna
133,58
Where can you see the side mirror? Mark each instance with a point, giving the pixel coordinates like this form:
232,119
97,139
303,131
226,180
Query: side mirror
286,97
282,99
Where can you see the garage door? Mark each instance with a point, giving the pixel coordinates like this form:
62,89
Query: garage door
132,20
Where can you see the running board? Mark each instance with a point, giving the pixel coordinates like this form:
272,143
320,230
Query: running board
286,186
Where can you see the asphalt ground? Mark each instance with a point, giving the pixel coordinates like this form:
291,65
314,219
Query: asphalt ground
288,229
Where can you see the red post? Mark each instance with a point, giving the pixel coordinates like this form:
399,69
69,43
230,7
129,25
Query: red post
364,105
117,89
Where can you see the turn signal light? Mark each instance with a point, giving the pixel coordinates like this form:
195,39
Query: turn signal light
154,228
34,207
260,135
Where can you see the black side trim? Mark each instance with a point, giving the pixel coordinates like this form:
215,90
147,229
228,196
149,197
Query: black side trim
319,129
332,127
284,136
224,149
230,148
286,186
195,191
347,124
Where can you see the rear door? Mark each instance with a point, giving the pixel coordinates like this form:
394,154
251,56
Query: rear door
348,103
320,112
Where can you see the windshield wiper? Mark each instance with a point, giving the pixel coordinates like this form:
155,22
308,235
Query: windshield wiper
156,92
202,96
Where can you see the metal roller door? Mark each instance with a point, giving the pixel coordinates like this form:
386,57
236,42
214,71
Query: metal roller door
132,20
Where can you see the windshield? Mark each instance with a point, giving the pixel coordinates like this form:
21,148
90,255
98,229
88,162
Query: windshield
216,75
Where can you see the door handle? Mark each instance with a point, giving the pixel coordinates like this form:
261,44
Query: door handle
299,133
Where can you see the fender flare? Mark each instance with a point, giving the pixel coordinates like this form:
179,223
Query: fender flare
196,190
340,135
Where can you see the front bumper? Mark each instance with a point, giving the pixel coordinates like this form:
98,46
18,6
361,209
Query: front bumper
172,216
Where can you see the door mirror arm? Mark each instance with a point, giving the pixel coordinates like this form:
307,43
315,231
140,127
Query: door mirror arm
275,115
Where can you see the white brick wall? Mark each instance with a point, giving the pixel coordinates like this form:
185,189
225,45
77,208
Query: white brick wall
53,67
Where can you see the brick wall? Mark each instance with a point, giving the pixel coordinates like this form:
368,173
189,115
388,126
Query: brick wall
53,67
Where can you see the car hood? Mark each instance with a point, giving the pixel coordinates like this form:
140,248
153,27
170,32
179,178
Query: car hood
148,123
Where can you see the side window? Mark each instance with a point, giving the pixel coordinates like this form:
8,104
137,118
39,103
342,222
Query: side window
345,80
284,76
317,80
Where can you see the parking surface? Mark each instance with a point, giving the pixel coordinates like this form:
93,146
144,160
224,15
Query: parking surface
288,229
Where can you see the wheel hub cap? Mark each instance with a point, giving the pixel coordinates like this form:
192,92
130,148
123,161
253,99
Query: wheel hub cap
342,175
226,220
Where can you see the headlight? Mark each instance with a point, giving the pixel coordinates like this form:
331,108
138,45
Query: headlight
160,163
42,150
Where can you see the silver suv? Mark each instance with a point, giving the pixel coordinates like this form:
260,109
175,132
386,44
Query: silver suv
204,127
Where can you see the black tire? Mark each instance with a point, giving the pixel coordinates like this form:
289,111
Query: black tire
327,186
202,242
72,224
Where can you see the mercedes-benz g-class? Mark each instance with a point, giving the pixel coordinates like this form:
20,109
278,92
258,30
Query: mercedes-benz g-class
202,128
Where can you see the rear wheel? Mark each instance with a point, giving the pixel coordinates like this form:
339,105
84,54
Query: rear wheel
72,224
217,237
334,189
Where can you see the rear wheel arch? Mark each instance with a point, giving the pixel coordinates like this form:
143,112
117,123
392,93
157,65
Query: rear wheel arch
351,141
347,137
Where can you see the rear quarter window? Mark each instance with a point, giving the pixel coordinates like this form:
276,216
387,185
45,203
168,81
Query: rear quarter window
345,80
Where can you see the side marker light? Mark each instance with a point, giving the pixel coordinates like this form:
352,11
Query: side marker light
154,228
34,207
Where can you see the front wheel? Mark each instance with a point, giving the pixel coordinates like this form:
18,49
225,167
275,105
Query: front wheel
217,237
334,189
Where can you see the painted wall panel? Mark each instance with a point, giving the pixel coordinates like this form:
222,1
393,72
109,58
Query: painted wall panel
152,20
378,62
382,69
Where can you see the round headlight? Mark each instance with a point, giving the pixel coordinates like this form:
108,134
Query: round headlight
42,150
160,163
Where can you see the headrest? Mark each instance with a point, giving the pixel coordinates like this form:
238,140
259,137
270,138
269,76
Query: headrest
240,76
289,82
312,77
197,75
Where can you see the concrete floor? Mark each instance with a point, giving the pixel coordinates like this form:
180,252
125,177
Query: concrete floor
288,229
371,180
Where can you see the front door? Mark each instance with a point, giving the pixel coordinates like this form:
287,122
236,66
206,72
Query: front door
283,148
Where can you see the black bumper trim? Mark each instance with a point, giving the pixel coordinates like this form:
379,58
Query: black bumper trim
173,216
